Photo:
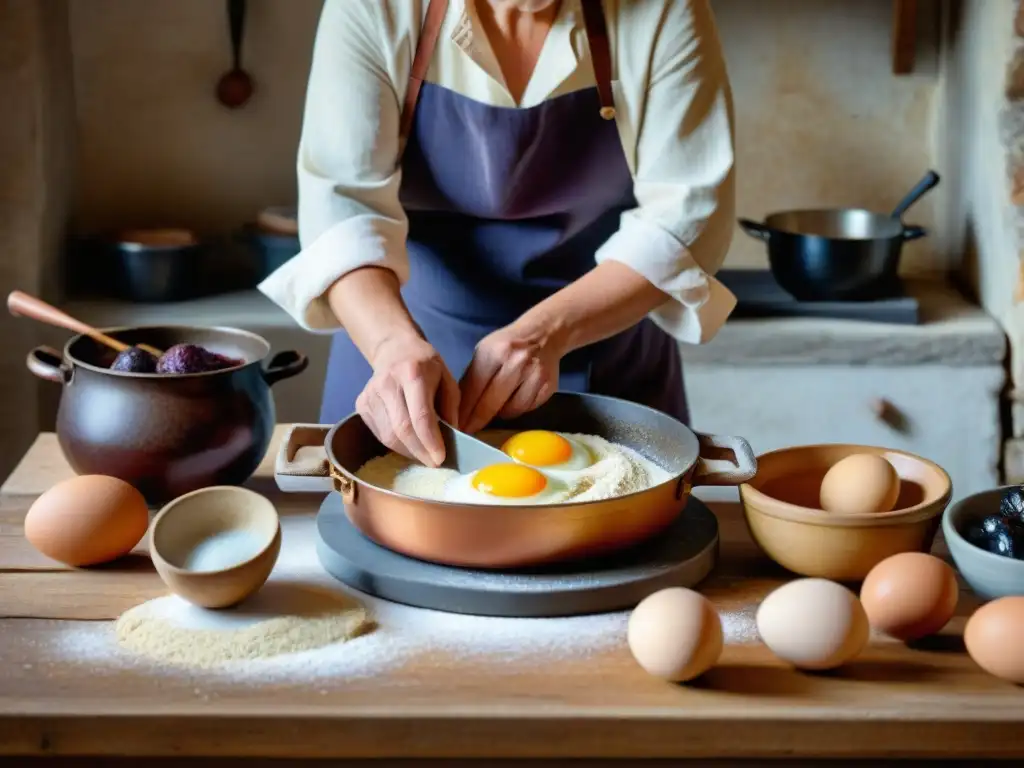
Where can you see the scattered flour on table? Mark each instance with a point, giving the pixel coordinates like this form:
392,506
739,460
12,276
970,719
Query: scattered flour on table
617,471
252,645
281,619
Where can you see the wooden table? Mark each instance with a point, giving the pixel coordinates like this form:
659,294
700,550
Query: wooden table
893,702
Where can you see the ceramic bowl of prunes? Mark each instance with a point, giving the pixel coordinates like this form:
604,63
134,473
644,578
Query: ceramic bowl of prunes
200,414
985,536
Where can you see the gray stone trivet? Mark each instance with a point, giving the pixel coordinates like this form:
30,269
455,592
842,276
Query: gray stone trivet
682,555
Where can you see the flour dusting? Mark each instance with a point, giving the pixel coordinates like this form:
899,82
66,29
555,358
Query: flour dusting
390,637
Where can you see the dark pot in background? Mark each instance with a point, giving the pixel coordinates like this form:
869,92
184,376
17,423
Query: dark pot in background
166,434
157,265
270,249
844,254
816,268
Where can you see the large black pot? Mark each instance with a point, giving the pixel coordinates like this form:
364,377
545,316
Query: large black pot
845,254
166,434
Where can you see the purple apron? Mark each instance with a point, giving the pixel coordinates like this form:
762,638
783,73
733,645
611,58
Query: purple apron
506,206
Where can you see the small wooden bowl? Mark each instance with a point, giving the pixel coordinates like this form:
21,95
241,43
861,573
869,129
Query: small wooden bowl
216,546
781,508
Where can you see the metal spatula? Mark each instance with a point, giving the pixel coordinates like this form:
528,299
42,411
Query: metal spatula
465,454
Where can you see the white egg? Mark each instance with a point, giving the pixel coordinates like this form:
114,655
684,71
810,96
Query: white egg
548,450
509,486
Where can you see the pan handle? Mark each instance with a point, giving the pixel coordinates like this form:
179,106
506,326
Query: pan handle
723,471
930,180
309,472
755,229
913,232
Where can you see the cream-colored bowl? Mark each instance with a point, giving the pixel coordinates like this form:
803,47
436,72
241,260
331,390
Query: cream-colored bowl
216,546
781,509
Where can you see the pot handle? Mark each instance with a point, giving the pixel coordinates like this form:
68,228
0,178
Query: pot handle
284,365
930,181
913,232
309,472
724,471
755,229
48,364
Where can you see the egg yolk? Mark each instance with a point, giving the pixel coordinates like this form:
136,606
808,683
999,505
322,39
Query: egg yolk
509,480
538,448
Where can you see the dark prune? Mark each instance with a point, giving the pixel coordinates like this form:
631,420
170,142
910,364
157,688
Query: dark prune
998,535
218,362
1011,506
183,358
191,358
134,360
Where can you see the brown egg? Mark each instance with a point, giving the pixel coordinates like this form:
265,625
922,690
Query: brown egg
910,595
993,638
860,484
87,520
675,634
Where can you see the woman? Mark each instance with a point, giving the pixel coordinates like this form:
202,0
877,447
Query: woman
502,198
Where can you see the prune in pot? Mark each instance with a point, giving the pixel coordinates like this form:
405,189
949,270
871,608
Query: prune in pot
184,358
134,360
218,362
1011,506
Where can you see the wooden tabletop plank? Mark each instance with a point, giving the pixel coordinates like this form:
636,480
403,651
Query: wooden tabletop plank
927,701
43,466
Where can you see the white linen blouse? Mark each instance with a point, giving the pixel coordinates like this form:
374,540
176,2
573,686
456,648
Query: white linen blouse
673,113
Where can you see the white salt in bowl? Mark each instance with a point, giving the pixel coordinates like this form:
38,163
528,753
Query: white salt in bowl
216,546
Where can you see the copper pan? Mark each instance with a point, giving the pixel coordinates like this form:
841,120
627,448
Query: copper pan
482,536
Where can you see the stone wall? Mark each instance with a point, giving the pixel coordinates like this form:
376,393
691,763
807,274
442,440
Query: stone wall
821,119
982,132
36,146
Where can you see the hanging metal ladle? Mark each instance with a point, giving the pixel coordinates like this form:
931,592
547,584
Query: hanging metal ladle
236,87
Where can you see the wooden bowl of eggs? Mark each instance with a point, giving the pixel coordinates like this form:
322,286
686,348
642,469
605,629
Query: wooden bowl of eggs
835,511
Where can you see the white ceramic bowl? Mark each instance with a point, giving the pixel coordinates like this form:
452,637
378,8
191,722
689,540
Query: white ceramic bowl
990,575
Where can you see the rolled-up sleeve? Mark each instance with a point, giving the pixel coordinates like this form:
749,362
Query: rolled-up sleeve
348,179
679,233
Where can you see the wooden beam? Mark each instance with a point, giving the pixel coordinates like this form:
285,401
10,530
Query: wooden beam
904,36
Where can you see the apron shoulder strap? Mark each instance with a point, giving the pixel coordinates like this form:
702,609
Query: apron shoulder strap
436,10
597,40
600,54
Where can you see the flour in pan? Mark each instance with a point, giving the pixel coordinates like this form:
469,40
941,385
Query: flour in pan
615,471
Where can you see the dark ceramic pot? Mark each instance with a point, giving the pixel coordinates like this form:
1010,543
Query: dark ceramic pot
166,434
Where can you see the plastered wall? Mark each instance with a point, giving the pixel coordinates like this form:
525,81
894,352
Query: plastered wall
821,119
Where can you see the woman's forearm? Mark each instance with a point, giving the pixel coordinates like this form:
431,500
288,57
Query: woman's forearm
607,300
368,304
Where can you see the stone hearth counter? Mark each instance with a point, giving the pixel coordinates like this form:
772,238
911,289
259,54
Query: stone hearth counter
954,332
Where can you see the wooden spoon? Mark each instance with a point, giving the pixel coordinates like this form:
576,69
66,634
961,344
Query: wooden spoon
21,304
236,87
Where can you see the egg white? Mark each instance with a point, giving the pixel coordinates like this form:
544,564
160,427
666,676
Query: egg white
460,489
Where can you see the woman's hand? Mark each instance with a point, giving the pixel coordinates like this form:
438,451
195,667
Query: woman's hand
410,387
513,371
